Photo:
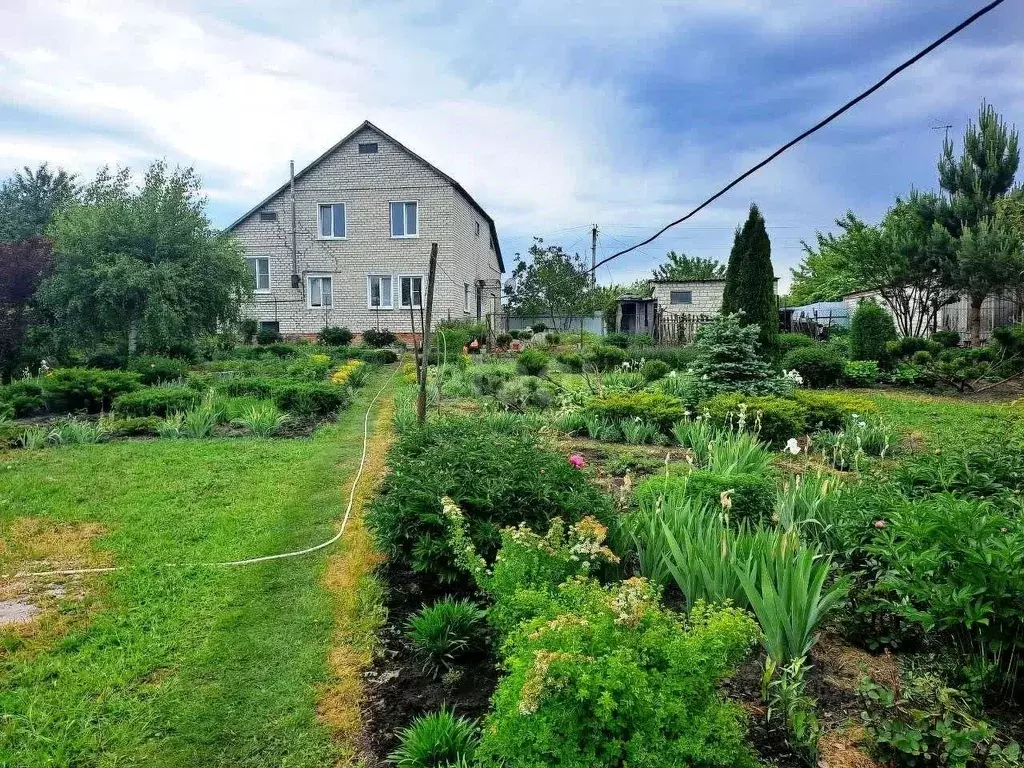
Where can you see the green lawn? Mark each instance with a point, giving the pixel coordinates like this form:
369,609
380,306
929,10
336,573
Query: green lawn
194,666
941,422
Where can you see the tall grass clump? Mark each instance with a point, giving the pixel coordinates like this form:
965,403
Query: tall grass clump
261,419
444,631
436,740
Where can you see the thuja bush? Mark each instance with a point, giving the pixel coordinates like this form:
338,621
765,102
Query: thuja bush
501,476
333,336
871,329
378,338
155,369
818,365
532,362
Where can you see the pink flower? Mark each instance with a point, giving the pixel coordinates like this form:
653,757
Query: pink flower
577,461
879,523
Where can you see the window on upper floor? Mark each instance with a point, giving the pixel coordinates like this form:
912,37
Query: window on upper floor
681,297
332,220
268,215
478,229
404,219
321,293
368,148
259,269
379,292
411,291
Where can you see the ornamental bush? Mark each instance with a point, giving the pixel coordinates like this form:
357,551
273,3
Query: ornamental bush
789,341
378,356
606,358
532,362
817,364
727,352
157,370
655,407
155,401
861,373
333,336
752,497
24,397
311,399
267,336
653,370
378,337
871,328
778,418
88,389
830,410
500,476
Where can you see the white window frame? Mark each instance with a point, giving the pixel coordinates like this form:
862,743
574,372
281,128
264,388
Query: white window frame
410,276
344,208
405,219
256,288
465,301
309,291
369,296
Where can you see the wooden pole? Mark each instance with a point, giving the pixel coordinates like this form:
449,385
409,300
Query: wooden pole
421,401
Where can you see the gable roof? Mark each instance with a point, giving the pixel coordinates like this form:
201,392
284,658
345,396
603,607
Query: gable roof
367,124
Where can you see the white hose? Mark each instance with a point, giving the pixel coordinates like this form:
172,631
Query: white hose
251,560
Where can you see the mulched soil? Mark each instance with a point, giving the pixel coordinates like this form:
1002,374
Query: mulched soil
397,689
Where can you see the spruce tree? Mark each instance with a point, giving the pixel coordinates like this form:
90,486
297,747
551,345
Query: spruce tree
750,280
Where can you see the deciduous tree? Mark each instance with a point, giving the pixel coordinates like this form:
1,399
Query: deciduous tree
29,200
679,266
552,284
23,266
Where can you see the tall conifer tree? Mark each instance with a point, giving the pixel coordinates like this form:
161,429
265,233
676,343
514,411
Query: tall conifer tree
750,279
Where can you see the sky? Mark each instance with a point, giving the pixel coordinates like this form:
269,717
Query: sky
554,115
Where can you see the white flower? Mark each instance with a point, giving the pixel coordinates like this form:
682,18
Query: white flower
793,446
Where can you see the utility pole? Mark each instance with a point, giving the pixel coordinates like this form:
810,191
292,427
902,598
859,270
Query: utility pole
593,255
943,128
421,400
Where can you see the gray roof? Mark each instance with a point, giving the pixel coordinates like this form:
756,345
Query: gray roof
367,124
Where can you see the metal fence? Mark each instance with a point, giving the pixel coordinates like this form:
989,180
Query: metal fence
590,323
996,312
818,326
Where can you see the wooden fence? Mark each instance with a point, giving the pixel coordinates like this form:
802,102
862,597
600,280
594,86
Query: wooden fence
678,330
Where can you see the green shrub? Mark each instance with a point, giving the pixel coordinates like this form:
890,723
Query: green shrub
333,336
382,337
818,365
488,380
250,386
524,392
378,356
655,407
572,361
155,401
439,740
457,335
445,631
727,353
135,426
752,497
311,399
553,338
620,340
592,646
777,418
871,328
830,410
248,328
157,370
532,362
312,368
503,340
502,475
948,339
539,327
266,336
653,370
789,341
861,373
105,359
606,358
89,389
993,470
24,396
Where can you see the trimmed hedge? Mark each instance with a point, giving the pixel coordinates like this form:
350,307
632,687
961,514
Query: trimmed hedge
829,411
24,397
155,401
655,407
780,418
377,356
89,389
311,399
817,364
871,329
753,496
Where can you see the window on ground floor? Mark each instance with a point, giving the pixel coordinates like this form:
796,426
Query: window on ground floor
259,269
379,292
320,292
411,289
682,297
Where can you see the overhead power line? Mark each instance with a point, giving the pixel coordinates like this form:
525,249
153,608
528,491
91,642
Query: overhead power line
845,108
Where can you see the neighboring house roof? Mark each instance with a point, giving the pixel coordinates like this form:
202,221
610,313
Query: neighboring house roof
367,124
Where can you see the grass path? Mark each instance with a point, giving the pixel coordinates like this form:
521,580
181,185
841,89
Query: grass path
193,666
940,422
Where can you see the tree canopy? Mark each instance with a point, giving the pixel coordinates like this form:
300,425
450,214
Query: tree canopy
679,266
23,266
552,284
141,266
29,199
750,279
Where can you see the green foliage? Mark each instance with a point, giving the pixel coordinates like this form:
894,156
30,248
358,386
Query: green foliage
503,340
75,431
787,342
726,352
539,327
457,335
488,379
750,280
261,419
248,327
752,497
378,356
776,419
524,392
445,631
818,365
948,339
606,358
653,370
73,389
637,432
606,675
311,399
626,340
438,740
571,361
655,407
333,336
24,396
532,362
680,267
553,284
23,265
676,358
860,437
501,475
157,370
134,426
830,410
825,272
155,401
142,266
311,368
735,452
29,200
993,470
871,328
861,373
267,336
378,337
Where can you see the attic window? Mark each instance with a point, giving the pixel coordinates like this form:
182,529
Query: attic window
268,215
369,148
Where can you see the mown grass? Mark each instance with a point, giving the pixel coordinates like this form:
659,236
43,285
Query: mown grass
184,666
940,422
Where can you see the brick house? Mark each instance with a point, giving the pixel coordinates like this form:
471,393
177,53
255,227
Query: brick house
365,215
688,297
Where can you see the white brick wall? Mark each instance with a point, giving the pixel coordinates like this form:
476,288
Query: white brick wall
367,184
707,297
